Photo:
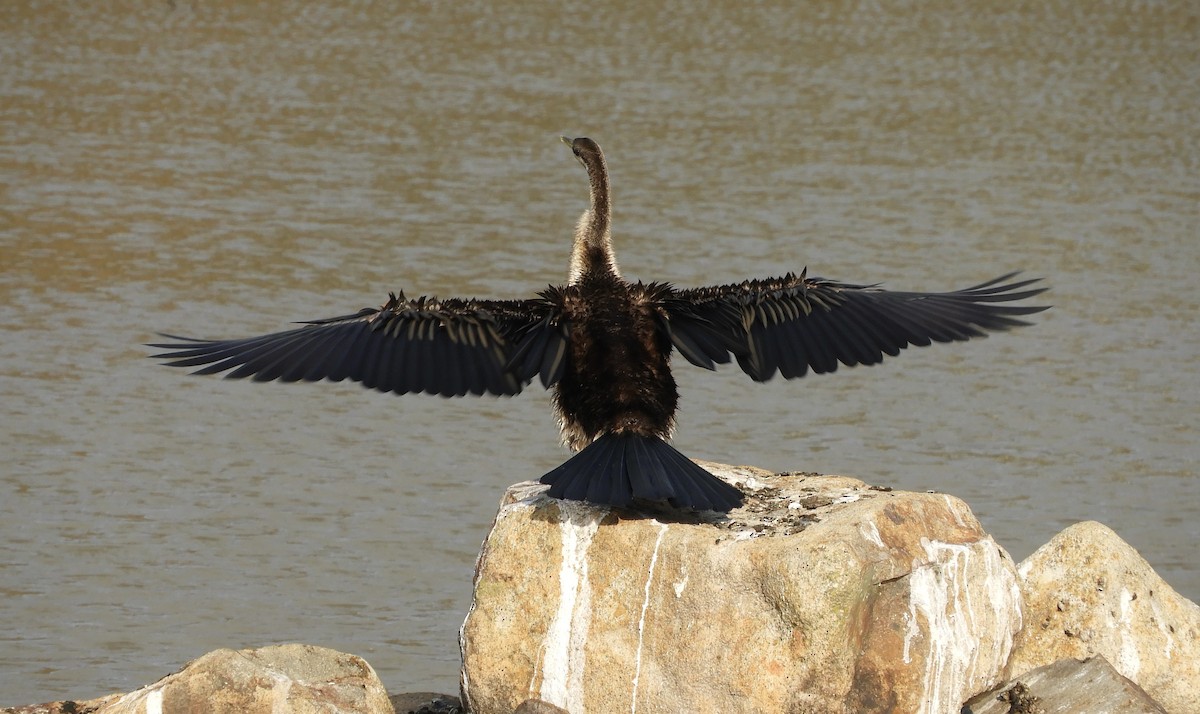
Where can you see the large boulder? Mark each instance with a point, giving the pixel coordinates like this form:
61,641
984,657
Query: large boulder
821,594
1086,593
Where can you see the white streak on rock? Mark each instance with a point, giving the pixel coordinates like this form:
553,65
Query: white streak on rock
1005,594
934,596
281,705
953,505
563,663
870,531
680,587
1163,627
637,661
911,631
1128,662
940,596
152,698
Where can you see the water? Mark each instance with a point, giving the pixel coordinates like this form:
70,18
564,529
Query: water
220,170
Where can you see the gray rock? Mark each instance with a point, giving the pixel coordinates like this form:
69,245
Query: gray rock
425,703
1068,686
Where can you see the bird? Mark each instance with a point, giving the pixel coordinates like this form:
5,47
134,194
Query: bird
602,345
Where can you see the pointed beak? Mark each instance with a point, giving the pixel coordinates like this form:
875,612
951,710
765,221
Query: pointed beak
571,143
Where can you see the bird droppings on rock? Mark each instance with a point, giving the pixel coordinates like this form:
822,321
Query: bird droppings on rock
783,504
776,504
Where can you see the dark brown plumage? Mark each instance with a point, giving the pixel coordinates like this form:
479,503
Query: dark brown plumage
603,345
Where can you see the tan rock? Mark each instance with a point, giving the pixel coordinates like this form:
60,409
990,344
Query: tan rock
822,594
1087,592
283,679
66,706
537,706
296,679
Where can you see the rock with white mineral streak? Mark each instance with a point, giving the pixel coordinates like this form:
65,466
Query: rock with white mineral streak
1086,593
820,594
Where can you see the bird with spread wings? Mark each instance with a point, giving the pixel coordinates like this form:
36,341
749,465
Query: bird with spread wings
602,345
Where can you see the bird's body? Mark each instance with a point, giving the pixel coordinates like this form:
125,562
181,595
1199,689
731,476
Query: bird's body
617,375
603,345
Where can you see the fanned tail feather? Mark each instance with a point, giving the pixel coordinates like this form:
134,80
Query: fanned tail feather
616,469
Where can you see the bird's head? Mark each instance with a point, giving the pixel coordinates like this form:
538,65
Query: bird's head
587,151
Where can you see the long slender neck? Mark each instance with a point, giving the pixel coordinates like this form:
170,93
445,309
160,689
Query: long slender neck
592,253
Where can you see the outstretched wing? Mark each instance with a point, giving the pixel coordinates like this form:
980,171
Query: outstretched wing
447,347
795,323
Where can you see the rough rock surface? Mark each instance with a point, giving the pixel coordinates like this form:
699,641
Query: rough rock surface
1068,686
1087,592
291,679
425,703
537,706
821,594
67,706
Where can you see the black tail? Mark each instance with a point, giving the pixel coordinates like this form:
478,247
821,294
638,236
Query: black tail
618,468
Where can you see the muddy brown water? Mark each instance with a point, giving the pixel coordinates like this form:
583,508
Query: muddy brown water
220,169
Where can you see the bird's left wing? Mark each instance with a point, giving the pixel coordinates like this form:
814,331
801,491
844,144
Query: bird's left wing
794,323
449,347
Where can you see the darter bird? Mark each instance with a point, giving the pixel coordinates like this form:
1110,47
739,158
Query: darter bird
603,346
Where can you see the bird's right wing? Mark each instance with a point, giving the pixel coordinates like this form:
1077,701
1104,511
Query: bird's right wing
795,323
449,347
